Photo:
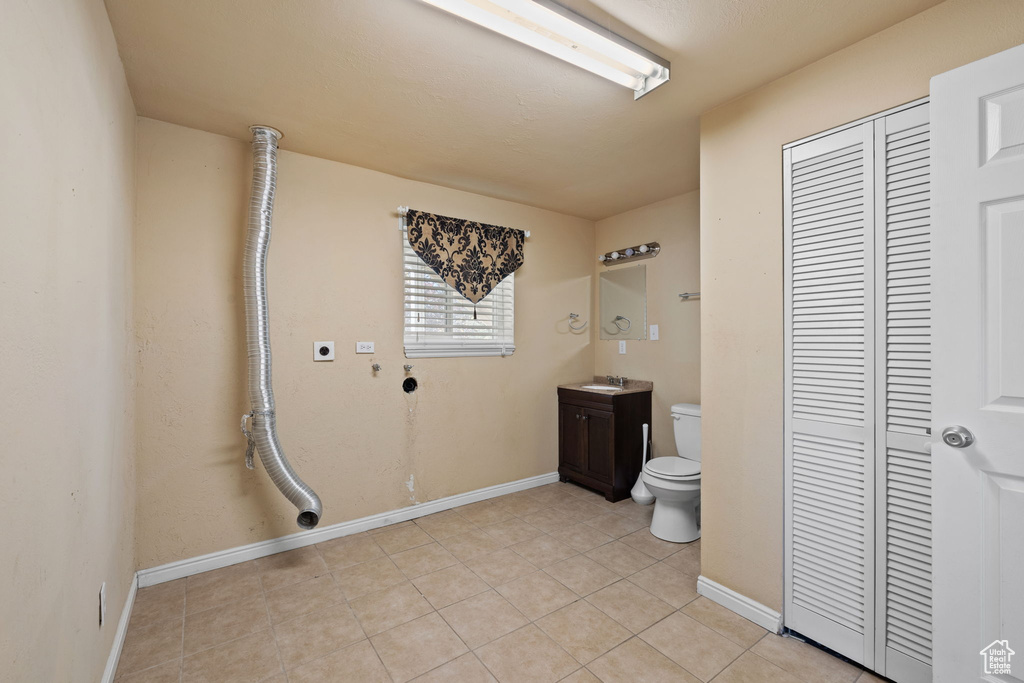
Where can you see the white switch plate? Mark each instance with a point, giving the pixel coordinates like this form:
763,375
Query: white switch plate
654,333
622,347
319,352
364,347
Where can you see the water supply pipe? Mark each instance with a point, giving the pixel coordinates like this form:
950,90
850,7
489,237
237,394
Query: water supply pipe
263,435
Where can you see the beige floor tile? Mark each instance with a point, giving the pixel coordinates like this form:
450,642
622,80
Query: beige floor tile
377,612
482,618
368,577
500,567
583,631
536,594
485,512
349,550
582,537
641,513
158,603
579,510
511,531
686,561
445,524
692,645
315,634
465,669
527,656
550,519
423,560
741,631
868,677
577,490
646,542
149,645
470,545
520,505
251,658
805,661
614,525
301,598
390,527
543,551
221,586
283,569
402,538
581,575
630,605
417,647
448,586
357,663
218,625
581,676
620,558
635,660
660,580
750,668
168,672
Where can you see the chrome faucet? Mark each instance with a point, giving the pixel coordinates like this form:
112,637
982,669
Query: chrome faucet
620,381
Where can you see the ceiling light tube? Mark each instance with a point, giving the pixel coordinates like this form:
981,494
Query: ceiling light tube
547,26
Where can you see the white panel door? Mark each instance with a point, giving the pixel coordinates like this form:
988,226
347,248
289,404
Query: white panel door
829,357
978,248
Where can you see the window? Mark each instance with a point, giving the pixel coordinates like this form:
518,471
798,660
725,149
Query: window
441,323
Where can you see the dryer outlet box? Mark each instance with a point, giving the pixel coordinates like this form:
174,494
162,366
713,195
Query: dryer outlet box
323,350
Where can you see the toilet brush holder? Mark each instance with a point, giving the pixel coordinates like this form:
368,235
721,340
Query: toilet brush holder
640,494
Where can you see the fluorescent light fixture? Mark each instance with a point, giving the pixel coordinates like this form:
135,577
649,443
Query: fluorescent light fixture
560,32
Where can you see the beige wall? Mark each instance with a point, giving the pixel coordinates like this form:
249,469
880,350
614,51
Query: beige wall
672,362
741,252
67,128
334,273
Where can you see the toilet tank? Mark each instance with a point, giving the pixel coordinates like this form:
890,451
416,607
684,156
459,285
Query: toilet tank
686,420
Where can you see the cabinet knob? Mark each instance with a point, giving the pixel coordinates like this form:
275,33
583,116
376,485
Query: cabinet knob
584,417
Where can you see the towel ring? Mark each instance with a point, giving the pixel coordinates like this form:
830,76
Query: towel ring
574,316
621,328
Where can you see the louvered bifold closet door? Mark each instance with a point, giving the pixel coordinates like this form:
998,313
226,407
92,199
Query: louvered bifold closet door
829,390
903,398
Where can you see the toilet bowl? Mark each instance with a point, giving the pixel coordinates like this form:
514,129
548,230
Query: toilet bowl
675,480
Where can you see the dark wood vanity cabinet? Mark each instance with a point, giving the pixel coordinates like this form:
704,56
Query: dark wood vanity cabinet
600,439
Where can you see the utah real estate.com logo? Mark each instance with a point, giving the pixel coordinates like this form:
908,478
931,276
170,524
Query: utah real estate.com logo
996,657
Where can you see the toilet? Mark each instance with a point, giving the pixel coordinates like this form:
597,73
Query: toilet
675,480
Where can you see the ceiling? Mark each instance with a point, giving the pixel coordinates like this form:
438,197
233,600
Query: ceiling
402,87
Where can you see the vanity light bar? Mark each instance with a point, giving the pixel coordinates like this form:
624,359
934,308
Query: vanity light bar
637,253
560,32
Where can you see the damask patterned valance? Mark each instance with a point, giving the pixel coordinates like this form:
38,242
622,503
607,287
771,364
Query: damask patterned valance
471,257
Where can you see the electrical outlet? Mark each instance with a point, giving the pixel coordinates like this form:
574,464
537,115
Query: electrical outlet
323,350
103,602
654,333
622,347
364,347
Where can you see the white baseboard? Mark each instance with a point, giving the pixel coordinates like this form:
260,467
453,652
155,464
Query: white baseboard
122,630
225,558
765,617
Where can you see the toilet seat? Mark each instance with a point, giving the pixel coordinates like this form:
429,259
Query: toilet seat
673,467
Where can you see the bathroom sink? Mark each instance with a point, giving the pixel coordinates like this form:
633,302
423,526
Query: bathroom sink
601,387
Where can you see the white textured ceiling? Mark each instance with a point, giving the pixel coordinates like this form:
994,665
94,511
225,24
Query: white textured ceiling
401,87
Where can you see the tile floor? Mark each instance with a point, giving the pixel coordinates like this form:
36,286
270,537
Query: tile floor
550,584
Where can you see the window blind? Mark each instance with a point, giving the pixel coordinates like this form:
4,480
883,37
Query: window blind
441,323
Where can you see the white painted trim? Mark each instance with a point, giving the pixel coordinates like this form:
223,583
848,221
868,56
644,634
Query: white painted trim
765,617
122,630
225,558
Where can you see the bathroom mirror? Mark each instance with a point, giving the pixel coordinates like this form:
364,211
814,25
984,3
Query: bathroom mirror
624,303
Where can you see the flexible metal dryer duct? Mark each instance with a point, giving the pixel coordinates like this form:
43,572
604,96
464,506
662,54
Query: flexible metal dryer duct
263,436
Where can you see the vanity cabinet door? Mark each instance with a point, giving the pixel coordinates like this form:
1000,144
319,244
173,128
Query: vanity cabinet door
600,432
571,436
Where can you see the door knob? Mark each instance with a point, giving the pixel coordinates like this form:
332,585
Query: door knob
957,436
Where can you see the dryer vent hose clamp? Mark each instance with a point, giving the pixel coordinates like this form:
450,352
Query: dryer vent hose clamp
263,434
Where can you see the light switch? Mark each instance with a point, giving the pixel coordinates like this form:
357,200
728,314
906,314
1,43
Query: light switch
654,333
622,347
